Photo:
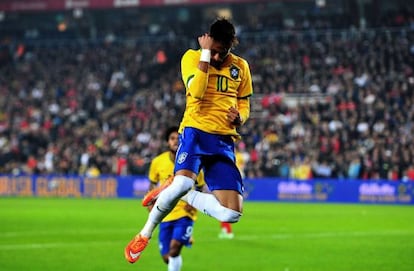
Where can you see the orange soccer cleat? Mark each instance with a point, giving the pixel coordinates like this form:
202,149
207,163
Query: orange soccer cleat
151,196
134,248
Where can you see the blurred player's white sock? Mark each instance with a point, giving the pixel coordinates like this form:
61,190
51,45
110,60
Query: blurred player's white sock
175,263
165,202
208,204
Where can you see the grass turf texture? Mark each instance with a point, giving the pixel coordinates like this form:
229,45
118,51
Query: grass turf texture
90,234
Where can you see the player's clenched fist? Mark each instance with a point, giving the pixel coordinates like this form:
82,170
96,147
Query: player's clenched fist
205,41
234,116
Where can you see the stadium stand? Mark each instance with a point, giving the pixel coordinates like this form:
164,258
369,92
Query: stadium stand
332,98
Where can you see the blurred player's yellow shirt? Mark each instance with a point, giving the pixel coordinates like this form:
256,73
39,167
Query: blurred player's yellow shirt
161,168
225,88
240,162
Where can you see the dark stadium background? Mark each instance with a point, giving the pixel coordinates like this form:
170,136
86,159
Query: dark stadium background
88,88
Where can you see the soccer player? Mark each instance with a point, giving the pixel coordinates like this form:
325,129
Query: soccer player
226,229
218,86
177,227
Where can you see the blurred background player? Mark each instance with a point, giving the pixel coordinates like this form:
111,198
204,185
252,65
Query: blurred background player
226,231
218,87
177,227
242,157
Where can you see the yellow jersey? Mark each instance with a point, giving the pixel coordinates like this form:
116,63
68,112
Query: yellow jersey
229,86
161,168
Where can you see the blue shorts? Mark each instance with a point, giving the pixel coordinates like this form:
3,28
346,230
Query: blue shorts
180,230
212,153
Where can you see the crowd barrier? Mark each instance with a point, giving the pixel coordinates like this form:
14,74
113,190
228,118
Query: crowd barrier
264,189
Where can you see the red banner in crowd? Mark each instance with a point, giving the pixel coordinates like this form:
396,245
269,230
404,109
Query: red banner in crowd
48,5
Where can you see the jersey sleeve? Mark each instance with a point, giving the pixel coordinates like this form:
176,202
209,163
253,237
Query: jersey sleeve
153,175
194,79
246,86
245,91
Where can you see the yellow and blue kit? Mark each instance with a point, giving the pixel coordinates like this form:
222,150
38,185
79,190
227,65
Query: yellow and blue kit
210,95
206,135
178,224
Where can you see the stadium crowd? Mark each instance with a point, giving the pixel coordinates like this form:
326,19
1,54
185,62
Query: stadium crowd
327,103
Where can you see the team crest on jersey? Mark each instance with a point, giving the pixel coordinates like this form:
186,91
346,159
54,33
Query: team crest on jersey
234,72
182,157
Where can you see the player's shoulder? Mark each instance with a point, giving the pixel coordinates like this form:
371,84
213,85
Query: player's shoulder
192,53
161,157
239,61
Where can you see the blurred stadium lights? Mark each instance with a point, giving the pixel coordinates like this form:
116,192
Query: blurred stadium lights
224,12
320,3
62,26
218,11
77,13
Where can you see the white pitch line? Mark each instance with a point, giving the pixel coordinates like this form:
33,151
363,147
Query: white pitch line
60,232
239,237
53,245
317,235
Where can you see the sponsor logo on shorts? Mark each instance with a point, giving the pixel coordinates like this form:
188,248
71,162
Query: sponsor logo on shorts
182,157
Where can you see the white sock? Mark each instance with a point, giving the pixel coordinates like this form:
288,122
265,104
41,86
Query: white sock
175,263
209,205
166,202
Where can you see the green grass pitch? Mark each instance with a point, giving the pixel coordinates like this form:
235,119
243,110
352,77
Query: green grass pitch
90,234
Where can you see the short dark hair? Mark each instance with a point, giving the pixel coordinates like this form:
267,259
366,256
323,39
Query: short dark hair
169,131
222,30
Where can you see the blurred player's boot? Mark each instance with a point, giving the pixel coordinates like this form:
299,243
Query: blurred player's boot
151,196
134,248
226,231
225,235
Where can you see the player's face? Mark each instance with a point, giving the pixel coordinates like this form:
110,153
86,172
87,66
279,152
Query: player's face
218,54
173,142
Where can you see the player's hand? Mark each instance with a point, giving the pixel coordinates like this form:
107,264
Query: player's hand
234,116
205,41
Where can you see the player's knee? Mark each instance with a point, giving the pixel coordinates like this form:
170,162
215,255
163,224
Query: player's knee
229,215
179,187
182,184
174,252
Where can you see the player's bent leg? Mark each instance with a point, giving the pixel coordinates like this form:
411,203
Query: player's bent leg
210,205
170,196
182,184
228,215
230,199
164,204
151,196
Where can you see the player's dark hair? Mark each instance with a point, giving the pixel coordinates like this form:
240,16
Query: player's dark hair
169,131
224,32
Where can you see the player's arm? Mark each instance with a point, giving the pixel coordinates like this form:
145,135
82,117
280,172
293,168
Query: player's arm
243,105
200,185
153,175
241,114
194,67
195,80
